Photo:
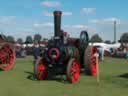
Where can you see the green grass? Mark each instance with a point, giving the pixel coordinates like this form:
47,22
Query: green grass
112,83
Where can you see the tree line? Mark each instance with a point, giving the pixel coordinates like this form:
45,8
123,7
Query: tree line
29,39
38,38
97,38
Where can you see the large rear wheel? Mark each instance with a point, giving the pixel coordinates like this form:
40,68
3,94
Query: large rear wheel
73,70
7,57
90,60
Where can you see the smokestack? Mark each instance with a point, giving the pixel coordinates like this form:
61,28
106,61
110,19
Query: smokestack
57,23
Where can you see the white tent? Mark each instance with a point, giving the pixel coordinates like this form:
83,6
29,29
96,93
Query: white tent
105,46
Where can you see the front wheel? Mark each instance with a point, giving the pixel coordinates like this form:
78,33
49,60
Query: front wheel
73,70
40,69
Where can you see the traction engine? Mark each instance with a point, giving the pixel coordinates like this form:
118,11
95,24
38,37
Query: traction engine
66,56
7,55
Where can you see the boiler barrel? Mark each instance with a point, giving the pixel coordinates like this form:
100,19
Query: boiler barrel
71,51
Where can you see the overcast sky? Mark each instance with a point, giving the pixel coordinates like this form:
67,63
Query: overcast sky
20,18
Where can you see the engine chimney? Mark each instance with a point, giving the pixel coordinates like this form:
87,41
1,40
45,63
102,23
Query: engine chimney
57,23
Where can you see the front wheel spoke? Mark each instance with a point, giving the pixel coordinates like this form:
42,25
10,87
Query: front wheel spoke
76,76
72,73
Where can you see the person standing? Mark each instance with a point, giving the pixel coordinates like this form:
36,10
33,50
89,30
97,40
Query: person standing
36,51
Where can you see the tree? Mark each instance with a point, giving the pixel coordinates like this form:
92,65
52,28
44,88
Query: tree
28,39
45,39
20,40
108,42
10,39
96,38
124,37
37,37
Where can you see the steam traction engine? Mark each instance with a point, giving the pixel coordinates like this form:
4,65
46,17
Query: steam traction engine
66,55
7,55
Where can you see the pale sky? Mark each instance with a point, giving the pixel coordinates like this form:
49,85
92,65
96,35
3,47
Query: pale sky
20,18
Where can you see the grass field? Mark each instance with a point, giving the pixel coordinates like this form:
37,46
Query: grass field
113,81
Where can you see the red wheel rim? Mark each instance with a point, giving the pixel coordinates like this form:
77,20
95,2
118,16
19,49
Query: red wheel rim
42,72
94,58
75,71
7,57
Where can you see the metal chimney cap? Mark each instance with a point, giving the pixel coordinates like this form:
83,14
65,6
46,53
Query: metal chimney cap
57,12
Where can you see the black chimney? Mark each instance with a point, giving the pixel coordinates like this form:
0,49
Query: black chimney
57,23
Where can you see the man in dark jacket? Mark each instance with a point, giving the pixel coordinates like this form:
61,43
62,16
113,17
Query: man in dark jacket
36,51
